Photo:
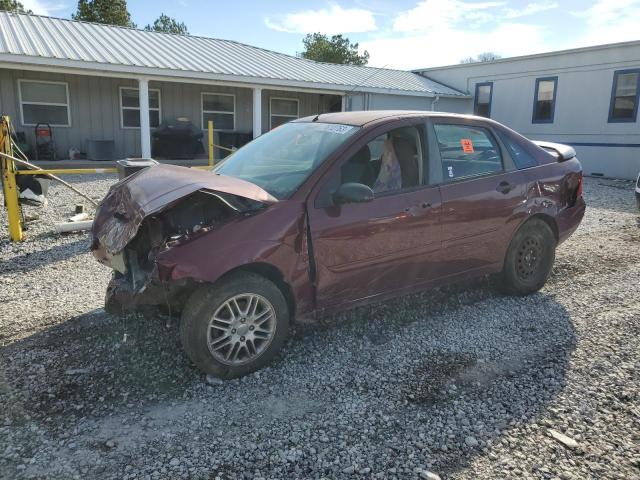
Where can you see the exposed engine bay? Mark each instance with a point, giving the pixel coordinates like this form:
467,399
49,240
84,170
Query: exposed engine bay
136,271
137,222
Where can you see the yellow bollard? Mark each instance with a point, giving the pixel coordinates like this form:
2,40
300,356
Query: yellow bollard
210,129
9,184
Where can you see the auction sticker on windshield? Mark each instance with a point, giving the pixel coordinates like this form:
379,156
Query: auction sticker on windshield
337,128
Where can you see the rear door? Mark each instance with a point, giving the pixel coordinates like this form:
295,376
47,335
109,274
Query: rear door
366,249
482,194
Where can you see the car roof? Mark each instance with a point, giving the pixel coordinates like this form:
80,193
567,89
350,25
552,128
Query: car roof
361,118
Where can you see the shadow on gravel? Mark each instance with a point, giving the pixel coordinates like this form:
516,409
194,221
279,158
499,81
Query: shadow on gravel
94,363
454,369
44,257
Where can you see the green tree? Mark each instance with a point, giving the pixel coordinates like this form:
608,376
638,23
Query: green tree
166,24
337,49
110,12
483,57
13,6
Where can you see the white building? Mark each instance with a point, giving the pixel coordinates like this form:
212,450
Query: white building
585,97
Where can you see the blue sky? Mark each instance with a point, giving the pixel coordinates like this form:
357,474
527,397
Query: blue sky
399,34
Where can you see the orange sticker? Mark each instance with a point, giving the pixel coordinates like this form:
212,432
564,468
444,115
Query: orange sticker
467,145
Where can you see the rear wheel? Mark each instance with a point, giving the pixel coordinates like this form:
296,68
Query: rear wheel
235,326
529,259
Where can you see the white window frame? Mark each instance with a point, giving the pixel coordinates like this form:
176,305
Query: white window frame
271,99
204,125
122,108
22,103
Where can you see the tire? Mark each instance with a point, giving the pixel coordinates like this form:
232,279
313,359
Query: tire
209,341
529,259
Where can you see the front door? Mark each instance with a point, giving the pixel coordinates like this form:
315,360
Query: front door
366,249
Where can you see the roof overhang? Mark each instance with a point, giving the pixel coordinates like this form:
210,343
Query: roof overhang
77,67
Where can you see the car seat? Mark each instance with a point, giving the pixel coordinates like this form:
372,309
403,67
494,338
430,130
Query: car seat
358,168
407,157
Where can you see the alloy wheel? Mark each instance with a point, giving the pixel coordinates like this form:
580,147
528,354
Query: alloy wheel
241,329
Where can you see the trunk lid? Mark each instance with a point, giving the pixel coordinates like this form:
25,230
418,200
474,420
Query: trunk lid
153,189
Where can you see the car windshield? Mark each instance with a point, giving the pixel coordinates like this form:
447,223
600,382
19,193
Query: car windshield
279,161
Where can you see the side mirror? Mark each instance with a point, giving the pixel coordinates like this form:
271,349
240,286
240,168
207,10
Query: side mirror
352,193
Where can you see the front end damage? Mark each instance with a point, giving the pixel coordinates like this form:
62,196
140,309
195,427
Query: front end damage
155,210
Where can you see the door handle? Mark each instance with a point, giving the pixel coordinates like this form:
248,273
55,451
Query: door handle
504,187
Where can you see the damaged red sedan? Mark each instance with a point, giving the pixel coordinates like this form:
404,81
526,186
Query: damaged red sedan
328,212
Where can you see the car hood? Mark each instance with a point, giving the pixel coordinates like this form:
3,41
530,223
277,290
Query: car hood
152,190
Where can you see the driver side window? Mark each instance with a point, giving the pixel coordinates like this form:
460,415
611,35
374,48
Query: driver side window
389,163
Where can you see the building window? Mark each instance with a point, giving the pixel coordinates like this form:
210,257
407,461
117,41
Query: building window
544,100
624,96
221,109
130,107
44,102
283,110
482,104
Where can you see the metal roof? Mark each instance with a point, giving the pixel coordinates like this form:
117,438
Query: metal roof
61,42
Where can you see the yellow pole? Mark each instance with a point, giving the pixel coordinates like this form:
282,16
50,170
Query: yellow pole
210,129
10,187
67,171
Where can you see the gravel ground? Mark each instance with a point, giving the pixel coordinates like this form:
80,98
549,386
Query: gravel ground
459,382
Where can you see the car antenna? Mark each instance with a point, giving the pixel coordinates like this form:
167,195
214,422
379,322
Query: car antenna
315,119
368,78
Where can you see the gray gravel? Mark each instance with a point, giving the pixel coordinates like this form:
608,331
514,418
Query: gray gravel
455,383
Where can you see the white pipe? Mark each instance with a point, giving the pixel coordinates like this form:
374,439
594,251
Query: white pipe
145,128
73,226
257,112
433,103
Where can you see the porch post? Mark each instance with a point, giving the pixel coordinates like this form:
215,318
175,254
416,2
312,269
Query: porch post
145,128
343,103
257,112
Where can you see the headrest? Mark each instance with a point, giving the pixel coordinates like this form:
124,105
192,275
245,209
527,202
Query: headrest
362,156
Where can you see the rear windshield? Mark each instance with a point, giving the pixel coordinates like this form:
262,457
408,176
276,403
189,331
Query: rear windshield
281,160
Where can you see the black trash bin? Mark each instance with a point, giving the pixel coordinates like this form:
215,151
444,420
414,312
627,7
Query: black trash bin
129,166
177,139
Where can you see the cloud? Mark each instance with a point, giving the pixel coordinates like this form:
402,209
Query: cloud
448,45
40,7
530,9
442,32
436,14
610,21
332,20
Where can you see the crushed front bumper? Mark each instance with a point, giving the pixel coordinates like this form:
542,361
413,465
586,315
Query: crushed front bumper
122,298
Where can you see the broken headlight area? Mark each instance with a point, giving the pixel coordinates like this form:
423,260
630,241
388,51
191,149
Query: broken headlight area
138,280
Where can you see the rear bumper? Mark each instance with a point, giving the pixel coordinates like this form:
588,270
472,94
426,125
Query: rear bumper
569,219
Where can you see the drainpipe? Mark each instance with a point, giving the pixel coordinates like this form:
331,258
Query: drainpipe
433,103
145,128
257,112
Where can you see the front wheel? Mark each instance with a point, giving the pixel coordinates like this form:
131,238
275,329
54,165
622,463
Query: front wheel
529,259
235,326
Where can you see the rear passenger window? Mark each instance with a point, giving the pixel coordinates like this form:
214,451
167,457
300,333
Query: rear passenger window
520,156
467,151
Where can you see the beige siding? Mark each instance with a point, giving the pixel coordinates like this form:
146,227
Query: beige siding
309,104
94,104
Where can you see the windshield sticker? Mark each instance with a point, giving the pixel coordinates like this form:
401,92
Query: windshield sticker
337,128
467,145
